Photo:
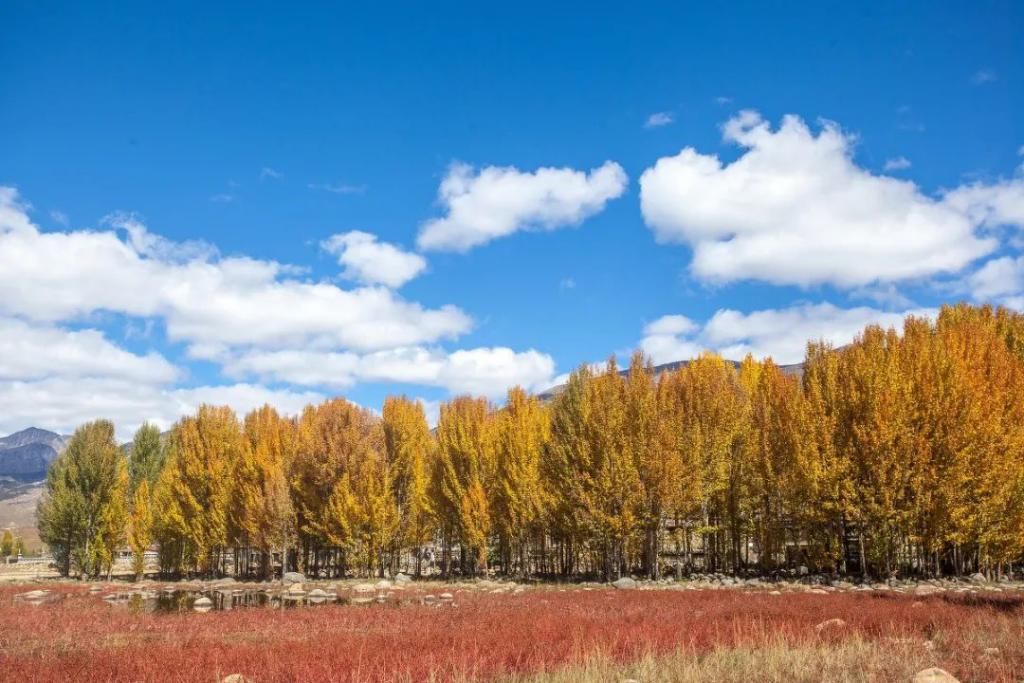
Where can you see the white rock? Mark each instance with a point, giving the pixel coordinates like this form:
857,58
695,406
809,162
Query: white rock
934,675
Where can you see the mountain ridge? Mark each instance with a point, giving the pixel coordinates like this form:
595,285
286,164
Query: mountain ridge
26,454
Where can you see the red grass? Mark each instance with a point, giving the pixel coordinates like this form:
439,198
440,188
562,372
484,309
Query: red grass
484,635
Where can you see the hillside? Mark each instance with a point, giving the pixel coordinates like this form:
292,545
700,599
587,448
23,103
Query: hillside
26,455
24,458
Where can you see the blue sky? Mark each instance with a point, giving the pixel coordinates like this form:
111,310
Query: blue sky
128,133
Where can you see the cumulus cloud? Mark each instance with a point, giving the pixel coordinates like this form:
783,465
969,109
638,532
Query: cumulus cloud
63,403
202,299
371,262
795,209
253,318
658,119
990,205
779,333
39,351
488,371
997,279
495,202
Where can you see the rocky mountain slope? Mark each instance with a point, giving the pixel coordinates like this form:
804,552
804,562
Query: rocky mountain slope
26,454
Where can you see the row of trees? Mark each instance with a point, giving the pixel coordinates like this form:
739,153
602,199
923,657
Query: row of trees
902,452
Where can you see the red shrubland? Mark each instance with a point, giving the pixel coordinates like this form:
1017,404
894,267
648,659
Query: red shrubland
484,636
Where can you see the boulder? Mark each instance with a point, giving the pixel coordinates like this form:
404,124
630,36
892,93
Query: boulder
236,678
293,577
363,588
402,578
934,675
202,604
926,589
446,596
625,583
318,593
32,595
383,585
977,577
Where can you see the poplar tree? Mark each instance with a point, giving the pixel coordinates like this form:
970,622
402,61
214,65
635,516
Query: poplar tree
522,432
140,528
146,456
334,438
82,513
265,514
199,483
410,452
465,473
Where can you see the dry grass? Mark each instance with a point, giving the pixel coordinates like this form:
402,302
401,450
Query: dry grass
574,635
855,660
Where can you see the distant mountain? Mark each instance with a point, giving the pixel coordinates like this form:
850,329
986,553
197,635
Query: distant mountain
28,453
792,369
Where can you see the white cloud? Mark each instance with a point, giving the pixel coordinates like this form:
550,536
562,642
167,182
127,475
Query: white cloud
992,205
368,261
997,278
567,283
897,164
487,371
267,172
39,351
780,333
235,301
495,202
658,119
795,209
723,100
63,403
222,198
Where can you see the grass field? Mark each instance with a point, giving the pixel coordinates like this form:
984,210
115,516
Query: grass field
543,634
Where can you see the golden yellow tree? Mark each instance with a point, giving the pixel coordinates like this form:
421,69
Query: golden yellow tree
776,475
140,528
828,492
410,453
465,472
334,439
265,516
522,432
713,408
198,485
